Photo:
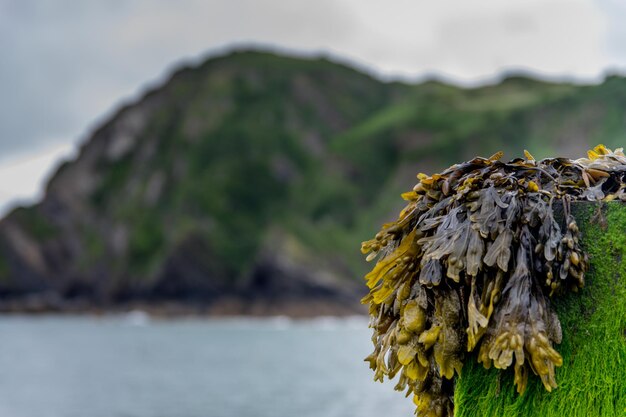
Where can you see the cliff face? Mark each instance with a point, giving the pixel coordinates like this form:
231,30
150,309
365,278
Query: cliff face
189,194
247,183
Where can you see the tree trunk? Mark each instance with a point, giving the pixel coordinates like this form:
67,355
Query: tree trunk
592,380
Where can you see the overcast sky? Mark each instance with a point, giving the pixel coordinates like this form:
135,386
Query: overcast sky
66,64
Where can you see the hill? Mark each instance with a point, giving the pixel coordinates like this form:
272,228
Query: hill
245,184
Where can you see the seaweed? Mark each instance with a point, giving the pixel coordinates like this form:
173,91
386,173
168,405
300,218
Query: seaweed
471,264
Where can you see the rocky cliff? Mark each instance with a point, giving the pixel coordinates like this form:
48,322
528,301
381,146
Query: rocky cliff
245,184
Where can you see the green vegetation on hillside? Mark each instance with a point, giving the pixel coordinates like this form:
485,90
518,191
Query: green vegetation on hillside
250,142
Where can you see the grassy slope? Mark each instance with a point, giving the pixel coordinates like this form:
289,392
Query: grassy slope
438,125
223,182
591,381
251,141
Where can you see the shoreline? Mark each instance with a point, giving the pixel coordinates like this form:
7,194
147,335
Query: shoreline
220,308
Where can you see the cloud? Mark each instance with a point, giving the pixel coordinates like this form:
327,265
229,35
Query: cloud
472,41
554,38
65,64
21,177
615,11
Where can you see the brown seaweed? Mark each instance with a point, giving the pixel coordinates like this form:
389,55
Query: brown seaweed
471,265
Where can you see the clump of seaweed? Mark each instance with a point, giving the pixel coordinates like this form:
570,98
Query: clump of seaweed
471,265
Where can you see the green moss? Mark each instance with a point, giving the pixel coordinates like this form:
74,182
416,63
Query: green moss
592,381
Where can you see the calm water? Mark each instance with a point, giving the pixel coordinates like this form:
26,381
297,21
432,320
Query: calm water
134,367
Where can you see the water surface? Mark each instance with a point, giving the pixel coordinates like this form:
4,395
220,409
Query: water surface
130,366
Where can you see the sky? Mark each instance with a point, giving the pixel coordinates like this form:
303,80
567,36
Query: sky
66,65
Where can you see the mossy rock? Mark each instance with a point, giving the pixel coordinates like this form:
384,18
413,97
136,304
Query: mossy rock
592,380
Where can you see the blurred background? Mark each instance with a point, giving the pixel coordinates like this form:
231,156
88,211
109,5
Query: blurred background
184,185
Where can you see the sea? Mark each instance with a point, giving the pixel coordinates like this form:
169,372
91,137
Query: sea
133,365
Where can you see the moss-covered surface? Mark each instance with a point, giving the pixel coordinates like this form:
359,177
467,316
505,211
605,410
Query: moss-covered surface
592,380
